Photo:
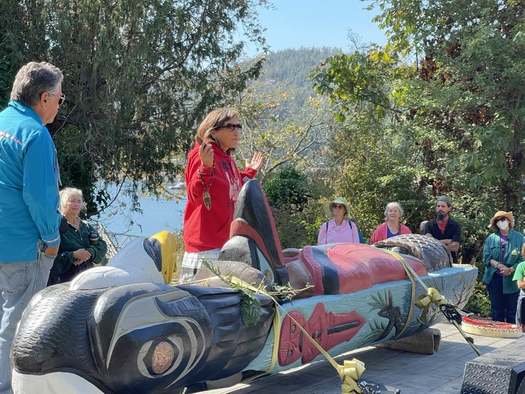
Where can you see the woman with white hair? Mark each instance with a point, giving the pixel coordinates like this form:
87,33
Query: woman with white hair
392,225
80,244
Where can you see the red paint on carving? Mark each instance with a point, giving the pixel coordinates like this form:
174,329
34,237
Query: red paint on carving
357,266
241,227
291,336
327,328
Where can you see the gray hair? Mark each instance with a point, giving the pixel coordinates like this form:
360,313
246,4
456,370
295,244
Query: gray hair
66,193
33,79
394,205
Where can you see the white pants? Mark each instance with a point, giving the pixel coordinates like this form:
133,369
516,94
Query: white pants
191,262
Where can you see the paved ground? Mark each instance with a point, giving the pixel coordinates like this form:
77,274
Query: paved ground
411,373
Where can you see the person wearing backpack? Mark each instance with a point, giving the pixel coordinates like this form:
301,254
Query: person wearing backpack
340,228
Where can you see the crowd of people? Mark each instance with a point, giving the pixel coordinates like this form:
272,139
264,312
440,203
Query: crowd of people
340,228
503,249
214,181
44,241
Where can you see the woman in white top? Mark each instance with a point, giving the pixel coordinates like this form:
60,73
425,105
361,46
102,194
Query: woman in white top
339,228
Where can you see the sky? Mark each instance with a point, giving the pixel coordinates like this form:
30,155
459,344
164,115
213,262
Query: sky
317,23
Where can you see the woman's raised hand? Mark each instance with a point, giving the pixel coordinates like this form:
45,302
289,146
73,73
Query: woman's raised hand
206,155
256,161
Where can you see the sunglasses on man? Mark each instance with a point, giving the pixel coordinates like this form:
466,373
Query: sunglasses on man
61,98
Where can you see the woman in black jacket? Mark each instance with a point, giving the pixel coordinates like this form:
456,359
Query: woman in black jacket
80,244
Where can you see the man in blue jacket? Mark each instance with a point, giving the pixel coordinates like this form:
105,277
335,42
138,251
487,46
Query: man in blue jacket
29,178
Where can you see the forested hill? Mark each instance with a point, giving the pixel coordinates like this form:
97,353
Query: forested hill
292,66
288,70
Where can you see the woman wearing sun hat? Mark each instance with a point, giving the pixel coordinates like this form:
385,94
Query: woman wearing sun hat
501,255
339,228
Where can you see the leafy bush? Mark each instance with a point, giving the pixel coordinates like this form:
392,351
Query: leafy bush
479,302
295,201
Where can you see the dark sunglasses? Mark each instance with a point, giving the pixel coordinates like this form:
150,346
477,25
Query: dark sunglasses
229,126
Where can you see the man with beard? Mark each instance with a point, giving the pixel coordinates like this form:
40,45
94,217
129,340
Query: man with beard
443,228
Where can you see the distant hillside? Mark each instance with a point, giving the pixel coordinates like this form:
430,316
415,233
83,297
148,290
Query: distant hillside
289,69
292,66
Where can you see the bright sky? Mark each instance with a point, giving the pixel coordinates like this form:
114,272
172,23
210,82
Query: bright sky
318,23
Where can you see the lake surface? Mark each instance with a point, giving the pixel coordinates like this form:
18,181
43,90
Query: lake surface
155,215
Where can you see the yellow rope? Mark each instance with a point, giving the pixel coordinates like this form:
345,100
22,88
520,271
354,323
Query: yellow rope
349,372
433,296
412,276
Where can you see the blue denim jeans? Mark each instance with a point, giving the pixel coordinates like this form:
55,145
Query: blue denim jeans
18,283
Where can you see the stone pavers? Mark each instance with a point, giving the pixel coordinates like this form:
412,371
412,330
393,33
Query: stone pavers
411,373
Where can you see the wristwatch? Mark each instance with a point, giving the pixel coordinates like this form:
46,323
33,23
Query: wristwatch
49,251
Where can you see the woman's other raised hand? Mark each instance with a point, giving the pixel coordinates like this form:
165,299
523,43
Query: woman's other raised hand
256,161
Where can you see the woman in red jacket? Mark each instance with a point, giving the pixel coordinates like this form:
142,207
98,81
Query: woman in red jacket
392,225
213,182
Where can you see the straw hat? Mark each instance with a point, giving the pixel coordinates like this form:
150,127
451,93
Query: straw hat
339,201
500,215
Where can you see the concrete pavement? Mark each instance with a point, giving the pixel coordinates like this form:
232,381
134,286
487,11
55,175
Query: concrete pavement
411,373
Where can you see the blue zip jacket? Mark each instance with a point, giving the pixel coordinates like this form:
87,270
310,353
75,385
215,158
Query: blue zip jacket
28,185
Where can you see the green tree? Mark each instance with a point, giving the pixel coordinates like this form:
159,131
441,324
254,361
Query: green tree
139,75
283,118
447,92
10,47
286,136
295,201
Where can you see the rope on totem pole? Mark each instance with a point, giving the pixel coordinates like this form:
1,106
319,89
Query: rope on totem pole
433,297
349,372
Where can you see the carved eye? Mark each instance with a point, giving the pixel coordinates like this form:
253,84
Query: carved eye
160,356
176,353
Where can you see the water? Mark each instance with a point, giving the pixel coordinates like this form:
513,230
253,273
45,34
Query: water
157,215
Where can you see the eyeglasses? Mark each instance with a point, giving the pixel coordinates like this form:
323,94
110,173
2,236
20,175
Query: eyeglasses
61,98
232,126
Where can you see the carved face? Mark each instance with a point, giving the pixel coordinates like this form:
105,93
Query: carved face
166,334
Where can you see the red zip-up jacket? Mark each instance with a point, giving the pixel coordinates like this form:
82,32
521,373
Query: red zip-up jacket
210,229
